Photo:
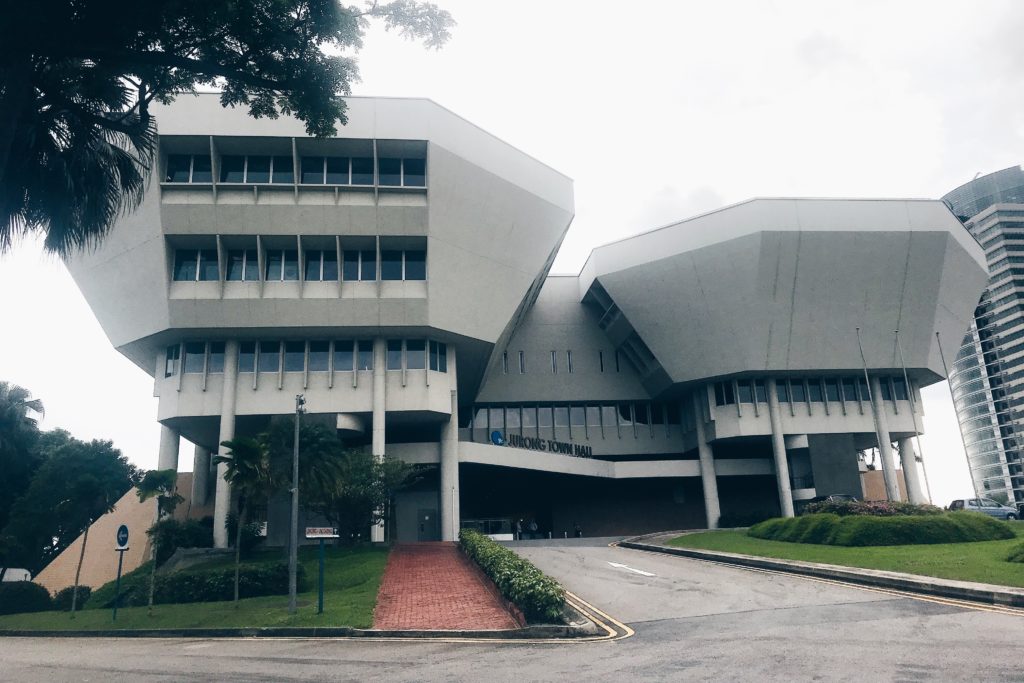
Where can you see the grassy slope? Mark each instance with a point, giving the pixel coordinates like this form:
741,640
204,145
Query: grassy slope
351,581
984,562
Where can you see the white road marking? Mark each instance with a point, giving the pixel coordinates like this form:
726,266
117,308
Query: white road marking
630,569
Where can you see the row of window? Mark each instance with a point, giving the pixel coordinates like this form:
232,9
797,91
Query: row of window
313,170
560,362
573,421
832,390
342,355
317,265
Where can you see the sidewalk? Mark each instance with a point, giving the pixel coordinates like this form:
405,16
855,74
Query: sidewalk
434,586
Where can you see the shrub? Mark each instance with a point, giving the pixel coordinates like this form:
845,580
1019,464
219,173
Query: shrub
540,597
877,508
868,530
62,598
170,534
1016,554
197,585
17,597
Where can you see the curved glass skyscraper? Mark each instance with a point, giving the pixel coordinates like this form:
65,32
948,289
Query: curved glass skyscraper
987,377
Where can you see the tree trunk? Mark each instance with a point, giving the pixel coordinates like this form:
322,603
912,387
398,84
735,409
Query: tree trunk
152,577
78,570
238,547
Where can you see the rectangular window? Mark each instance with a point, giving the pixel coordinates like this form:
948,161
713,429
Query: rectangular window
364,354
390,265
593,416
760,391
561,416
832,390
438,356
186,265
209,267
294,356
658,413
554,364
415,264
368,264
275,260
850,389
321,266
600,360
282,265
291,265
544,419
578,417
415,354
283,171
171,360
202,169
504,363
312,171
345,355
319,351
257,170
901,389
783,388
883,384
798,392
512,421
337,171
618,362
675,415
529,420
389,171
609,419
522,363
641,412
247,356
243,265
232,169
746,393
862,386
362,170
350,266
179,168
414,172
568,361
394,354
814,391
215,361
195,357
270,356
625,414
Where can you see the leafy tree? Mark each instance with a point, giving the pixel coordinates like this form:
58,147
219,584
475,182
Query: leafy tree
77,482
76,138
162,485
19,434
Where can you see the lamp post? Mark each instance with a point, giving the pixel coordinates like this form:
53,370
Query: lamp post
293,551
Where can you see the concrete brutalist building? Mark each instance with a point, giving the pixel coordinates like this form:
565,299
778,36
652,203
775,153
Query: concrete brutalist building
398,277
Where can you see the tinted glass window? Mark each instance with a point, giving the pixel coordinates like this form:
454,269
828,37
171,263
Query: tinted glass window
529,419
814,391
390,265
294,356
208,267
195,357
258,170
362,170
313,262
415,265
313,170
394,354
390,171
247,356
236,265
215,362
415,354
798,391
594,416
415,172
442,357
862,386
886,389
284,171
185,264
178,168
171,360
364,361
901,389
344,355
318,355
760,391
337,170
330,271
350,265
231,169
269,356
202,172
275,262
783,388
609,418
369,265
561,416
849,389
577,416
291,265
832,390
625,414
544,418
746,392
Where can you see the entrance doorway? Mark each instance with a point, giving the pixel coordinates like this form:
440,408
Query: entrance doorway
426,525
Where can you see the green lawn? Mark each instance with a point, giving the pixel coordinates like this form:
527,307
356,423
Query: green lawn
351,580
984,562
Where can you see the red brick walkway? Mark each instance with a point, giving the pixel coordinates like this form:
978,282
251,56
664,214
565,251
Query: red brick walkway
435,586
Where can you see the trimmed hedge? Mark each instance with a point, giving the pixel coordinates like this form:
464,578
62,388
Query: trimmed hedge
867,530
197,585
876,508
1016,554
540,597
62,598
17,597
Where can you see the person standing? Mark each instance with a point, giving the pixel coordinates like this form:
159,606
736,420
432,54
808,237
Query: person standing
577,530
519,529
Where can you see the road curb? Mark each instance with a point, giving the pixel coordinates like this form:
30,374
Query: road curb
946,588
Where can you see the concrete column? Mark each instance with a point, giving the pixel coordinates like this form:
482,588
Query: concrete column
169,440
200,475
892,488
379,409
911,475
222,499
707,461
779,450
450,460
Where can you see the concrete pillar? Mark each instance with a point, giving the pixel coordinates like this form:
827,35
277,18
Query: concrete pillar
222,499
450,460
169,440
707,461
779,450
892,488
379,409
200,475
911,474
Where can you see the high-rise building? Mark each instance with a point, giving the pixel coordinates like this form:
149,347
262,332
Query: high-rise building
987,376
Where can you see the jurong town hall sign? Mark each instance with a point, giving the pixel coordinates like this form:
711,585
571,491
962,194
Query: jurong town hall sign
533,443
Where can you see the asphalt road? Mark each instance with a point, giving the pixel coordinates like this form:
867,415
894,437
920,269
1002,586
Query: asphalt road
693,621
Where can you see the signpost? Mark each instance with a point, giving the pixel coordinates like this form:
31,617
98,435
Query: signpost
122,546
322,533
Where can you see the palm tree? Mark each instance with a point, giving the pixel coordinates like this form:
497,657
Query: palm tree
19,430
159,484
249,474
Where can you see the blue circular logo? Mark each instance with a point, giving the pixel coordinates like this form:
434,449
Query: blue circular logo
497,439
122,536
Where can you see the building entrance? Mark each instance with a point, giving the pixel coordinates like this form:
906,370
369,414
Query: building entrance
426,525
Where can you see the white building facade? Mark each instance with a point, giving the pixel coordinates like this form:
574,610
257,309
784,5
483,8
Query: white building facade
398,277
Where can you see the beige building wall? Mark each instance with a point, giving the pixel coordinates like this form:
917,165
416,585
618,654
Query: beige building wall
873,484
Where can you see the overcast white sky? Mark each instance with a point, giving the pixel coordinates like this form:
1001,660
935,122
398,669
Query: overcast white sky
658,110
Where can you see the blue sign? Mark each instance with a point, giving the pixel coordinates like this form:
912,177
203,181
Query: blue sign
122,536
497,439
